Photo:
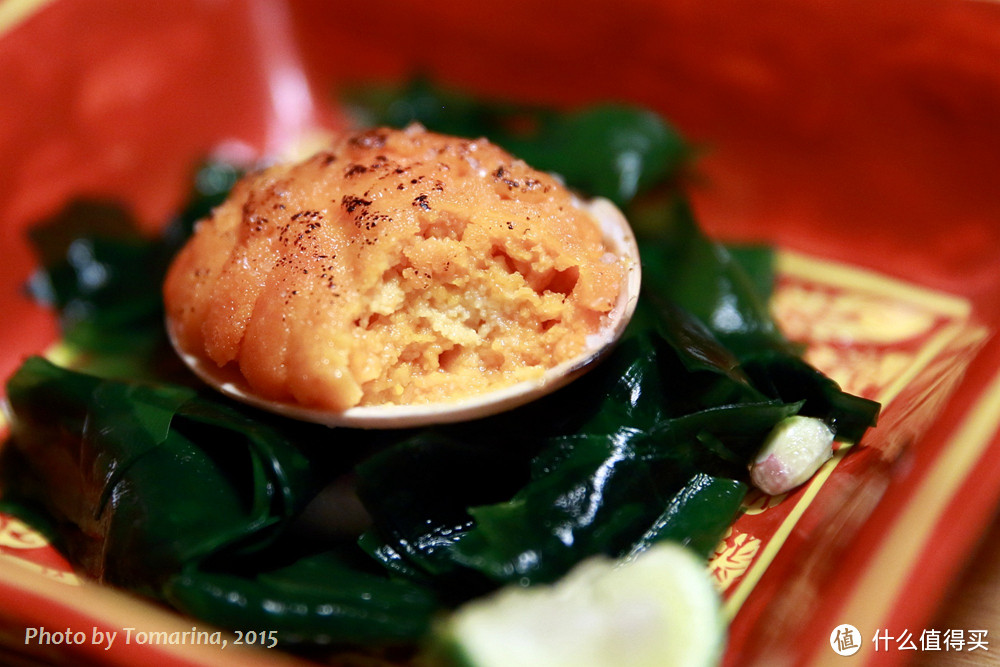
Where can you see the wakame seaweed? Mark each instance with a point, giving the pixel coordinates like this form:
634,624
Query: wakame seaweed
180,496
163,488
103,276
610,150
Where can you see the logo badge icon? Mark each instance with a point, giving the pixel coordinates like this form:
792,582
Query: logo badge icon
845,639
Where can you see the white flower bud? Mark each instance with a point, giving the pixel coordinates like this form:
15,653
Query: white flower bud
794,450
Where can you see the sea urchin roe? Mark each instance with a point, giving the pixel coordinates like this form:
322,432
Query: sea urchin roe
397,267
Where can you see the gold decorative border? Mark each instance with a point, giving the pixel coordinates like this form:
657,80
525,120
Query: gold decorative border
856,279
882,581
852,279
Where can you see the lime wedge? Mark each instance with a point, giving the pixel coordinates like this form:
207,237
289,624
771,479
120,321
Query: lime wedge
658,609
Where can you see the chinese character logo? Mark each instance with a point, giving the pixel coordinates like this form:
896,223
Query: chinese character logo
845,639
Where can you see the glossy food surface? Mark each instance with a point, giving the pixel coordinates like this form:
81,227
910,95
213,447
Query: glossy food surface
396,267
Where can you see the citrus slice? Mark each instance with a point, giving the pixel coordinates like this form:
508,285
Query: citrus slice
659,608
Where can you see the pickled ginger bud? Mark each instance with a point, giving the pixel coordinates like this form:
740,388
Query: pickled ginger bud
397,267
792,453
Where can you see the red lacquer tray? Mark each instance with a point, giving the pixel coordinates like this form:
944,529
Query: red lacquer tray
862,140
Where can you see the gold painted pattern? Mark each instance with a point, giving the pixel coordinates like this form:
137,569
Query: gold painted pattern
732,558
758,502
15,534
